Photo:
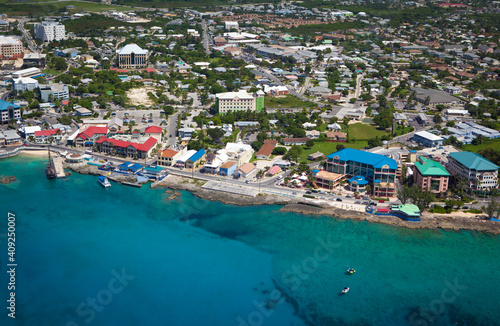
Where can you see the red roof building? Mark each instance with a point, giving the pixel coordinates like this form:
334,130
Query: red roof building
89,135
153,130
126,148
42,136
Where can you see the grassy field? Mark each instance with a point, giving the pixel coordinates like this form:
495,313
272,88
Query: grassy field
288,101
492,143
360,131
39,9
328,148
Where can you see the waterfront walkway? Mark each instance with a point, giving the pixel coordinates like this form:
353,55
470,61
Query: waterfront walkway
58,164
230,188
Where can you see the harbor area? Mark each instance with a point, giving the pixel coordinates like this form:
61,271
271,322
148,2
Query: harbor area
58,165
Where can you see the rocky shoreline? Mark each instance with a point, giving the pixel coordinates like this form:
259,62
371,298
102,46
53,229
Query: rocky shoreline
301,206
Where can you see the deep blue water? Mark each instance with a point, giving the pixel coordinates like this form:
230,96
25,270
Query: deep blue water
125,256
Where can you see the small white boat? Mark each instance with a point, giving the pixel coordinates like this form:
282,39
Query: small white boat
104,182
345,290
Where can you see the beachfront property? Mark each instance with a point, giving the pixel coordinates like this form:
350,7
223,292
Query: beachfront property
427,139
47,136
87,137
196,159
245,171
239,101
181,161
325,179
132,56
378,170
431,176
9,111
481,174
48,31
9,137
238,152
227,168
127,147
168,157
214,162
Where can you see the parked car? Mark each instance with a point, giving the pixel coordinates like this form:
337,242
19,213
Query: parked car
381,201
339,199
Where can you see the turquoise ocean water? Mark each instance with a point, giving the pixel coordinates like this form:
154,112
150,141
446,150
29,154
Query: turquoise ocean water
125,256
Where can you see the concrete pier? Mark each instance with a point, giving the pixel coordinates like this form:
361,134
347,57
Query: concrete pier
58,165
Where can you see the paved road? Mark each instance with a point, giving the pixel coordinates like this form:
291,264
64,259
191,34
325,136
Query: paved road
205,36
31,45
172,128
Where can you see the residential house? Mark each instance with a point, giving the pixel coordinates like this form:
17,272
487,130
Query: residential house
295,141
265,151
335,136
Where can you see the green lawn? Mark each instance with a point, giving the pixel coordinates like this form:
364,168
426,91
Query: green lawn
328,148
287,101
36,8
360,131
492,143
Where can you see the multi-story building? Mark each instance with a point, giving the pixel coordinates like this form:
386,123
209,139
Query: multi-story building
431,176
37,60
54,91
132,56
10,47
24,84
379,170
240,101
48,31
481,174
9,111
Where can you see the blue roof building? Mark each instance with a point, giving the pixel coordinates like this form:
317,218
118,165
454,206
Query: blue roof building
377,169
9,111
194,160
481,174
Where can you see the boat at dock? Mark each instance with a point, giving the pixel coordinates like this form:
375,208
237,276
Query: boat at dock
50,169
104,182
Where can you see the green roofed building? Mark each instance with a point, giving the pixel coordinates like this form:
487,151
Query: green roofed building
431,175
481,174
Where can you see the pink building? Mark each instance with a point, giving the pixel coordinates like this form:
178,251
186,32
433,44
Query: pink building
430,175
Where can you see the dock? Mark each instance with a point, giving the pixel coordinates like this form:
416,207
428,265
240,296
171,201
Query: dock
58,165
132,184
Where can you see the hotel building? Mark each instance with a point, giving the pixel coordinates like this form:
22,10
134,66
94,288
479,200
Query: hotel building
431,176
378,170
10,47
481,174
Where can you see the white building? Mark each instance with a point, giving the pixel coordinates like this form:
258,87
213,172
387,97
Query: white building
231,25
48,31
24,84
240,101
479,173
59,91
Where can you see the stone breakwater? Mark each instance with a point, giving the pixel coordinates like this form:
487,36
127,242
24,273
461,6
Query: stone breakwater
429,220
301,206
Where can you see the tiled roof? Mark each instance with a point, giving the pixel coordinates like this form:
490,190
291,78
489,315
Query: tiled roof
169,153
39,133
146,146
93,130
153,130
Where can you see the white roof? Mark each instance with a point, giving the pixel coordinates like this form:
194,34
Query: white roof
31,129
25,80
26,71
131,48
428,135
231,95
186,156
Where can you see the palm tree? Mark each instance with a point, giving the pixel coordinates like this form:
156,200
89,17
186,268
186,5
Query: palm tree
330,185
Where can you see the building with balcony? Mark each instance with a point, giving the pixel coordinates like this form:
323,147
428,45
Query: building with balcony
50,92
431,176
378,170
481,174
48,31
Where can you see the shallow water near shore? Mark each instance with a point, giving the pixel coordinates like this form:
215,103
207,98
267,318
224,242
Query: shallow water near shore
150,260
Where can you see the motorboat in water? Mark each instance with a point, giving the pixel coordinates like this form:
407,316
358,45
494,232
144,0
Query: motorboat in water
345,290
104,182
351,271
